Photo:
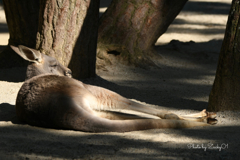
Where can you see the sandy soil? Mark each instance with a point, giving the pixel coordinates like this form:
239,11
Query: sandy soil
182,84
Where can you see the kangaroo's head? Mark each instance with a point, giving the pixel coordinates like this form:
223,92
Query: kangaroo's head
40,63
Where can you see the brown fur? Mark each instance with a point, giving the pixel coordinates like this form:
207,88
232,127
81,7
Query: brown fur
51,98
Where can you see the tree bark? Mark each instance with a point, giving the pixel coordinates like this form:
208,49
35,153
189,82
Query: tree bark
64,29
68,31
130,28
22,20
226,88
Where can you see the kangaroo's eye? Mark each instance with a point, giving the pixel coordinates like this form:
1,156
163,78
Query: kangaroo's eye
54,65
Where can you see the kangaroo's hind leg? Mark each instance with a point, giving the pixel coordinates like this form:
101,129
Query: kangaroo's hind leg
74,112
77,118
111,100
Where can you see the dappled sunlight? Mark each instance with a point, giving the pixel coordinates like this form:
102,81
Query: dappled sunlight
8,90
199,21
4,39
202,80
2,15
4,35
181,83
103,6
149,144
102,10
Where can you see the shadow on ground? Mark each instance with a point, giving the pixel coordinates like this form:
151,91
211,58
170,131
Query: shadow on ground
186,71
33,142
216,8
17,74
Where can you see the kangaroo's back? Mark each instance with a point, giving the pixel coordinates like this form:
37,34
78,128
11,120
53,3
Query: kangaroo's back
41,98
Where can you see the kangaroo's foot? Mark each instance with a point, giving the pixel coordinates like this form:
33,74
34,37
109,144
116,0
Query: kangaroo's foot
203,113
203,116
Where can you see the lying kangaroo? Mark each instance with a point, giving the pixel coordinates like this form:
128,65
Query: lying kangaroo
51,98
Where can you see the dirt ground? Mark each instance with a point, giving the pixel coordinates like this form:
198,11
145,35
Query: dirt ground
182,83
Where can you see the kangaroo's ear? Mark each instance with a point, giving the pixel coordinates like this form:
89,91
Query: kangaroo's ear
28,54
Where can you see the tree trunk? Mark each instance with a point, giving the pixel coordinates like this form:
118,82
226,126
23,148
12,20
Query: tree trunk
64,29
225,94
22,20
68,31
131,28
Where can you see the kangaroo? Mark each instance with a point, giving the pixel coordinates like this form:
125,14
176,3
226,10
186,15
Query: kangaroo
51,98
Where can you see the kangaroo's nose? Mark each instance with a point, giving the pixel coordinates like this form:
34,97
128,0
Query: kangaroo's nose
68,73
